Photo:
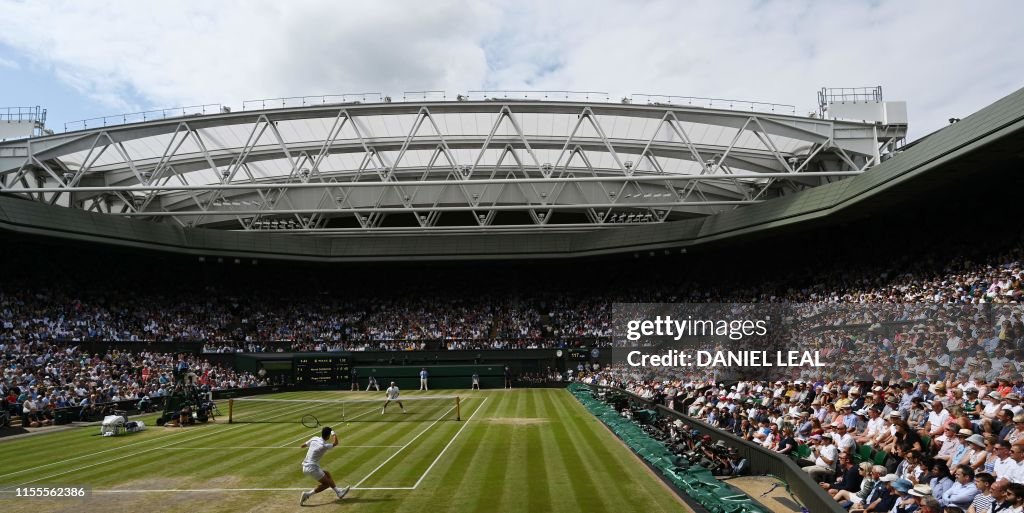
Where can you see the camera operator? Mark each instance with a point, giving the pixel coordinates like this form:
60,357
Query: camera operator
144,404
716,459
736,463
185,415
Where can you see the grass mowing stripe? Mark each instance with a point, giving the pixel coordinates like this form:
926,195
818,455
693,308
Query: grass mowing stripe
597,460
452,485
584,489
450,442
511,489
560,475
400,450
644,485
448,475
635,481
342,464
392,473
539,498
212,466
356,463
36,455
214,432
495,463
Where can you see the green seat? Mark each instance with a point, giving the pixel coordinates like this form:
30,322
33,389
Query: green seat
863,453
803,451
880,457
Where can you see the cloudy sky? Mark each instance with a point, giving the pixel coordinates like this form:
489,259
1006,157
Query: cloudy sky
86,59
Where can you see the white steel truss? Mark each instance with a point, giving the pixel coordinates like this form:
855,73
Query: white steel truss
439,166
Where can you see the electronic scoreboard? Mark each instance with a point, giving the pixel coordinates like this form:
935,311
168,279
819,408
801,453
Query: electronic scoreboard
322,371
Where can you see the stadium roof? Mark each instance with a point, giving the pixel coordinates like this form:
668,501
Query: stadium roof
492,165
588,176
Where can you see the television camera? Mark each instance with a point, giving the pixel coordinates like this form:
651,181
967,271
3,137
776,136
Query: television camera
189,401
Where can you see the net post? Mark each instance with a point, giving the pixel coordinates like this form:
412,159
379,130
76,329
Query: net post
231,408
458,409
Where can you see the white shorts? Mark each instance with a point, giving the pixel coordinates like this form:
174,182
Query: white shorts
313,471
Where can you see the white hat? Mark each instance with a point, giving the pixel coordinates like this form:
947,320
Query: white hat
921,490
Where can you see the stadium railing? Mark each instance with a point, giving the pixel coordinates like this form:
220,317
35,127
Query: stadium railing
762,461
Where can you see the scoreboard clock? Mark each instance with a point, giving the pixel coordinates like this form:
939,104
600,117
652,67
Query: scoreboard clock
579,355
322,371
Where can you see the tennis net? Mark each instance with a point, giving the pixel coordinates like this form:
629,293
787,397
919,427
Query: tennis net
326,412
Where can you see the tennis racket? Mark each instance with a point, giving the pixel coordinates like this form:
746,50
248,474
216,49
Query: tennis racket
310,421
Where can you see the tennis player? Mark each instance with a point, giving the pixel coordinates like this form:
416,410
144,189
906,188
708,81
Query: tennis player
318,446
392,394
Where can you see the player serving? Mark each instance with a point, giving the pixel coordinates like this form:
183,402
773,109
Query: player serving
318,446
392,394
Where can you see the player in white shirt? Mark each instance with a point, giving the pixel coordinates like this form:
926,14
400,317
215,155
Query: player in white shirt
318,446
392,395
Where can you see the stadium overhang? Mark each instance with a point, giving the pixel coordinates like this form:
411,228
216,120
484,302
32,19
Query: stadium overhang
474,180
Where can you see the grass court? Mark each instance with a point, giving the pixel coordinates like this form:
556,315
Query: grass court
524,450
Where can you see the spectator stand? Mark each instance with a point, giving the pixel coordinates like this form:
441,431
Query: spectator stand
762,461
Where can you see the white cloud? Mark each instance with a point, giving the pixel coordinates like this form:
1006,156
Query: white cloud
7,63
946,58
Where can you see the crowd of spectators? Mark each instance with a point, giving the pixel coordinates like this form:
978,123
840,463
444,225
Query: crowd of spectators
225,323
226,318
921,407
41,377
872,445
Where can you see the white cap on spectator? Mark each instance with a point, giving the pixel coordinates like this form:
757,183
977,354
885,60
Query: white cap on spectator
921,490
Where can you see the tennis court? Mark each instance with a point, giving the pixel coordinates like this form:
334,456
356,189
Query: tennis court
513,450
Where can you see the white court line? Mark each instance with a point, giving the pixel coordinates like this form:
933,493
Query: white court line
265,447
92,454
438,458
214,432
374,471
